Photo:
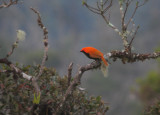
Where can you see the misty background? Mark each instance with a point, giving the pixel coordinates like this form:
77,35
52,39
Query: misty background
71,27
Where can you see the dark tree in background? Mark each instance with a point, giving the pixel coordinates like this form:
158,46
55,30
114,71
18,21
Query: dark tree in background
40,90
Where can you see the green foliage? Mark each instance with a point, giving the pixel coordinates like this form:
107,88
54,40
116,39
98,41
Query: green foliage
152,81
149,89
17,95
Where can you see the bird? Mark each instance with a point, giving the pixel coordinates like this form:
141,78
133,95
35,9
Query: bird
95,54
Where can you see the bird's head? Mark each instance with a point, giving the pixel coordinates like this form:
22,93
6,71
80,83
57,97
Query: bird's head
82,50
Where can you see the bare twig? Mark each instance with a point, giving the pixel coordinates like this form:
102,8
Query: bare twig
11,2
45,40
105,2
13,47
102,12
92,9
145,1
108,7
131,18
125,10
111,25
134,12
123,28
123,14
133,36
69,73
132,29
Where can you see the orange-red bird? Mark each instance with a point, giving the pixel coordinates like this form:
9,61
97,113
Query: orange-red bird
95,54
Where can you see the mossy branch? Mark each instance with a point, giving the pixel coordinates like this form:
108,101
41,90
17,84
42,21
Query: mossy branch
11,2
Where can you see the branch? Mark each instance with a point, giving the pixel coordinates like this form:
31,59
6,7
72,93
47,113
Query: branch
109,6
75,82
15,69
134,12
123,13
92,9
133,36
111,25
13,48
69,73
45,40
100,10
131,18
132,57
11,2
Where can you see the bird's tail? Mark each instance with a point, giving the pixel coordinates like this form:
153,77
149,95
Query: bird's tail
104,67
105,62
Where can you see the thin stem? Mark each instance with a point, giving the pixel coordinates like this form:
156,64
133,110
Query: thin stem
45,40
133,36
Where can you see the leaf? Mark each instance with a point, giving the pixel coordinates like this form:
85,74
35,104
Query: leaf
36,100
98,99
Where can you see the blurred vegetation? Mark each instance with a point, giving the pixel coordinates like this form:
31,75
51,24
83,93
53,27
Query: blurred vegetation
149,91
153,110
149,87
17,95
